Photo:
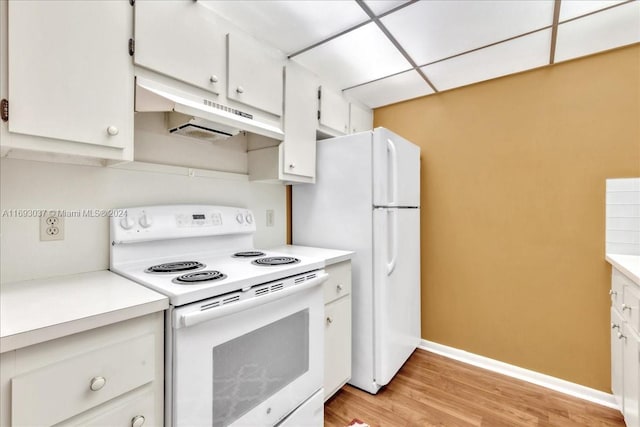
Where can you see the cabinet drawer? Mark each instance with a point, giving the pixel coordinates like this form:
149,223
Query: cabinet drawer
137,406
618,281
339,282
630,306
61,390
337,350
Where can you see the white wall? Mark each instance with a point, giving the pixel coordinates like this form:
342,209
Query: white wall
623,216
26,184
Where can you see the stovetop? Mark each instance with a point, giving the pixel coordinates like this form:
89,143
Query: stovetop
231,273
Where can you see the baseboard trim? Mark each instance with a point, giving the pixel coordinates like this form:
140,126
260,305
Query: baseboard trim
553,383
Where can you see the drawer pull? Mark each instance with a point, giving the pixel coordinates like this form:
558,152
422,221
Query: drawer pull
112,130
137,421
329,320
212,79
626,307
97,383
339,288
612,292
614,326
620,336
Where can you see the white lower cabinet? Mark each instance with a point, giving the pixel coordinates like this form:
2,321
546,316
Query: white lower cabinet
625,346
337,347
631,381
109,376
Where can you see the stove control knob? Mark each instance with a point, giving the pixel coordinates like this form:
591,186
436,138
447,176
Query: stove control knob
249,218
240,218
127,222
145,220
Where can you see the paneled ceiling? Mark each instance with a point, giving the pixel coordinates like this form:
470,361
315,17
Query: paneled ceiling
385,51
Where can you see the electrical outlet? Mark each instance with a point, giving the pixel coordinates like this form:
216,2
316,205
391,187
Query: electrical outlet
270,217
51,226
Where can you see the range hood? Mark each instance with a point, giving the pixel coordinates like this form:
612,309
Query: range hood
199,117
195,127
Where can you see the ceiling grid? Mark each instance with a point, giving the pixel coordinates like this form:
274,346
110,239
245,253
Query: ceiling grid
385,51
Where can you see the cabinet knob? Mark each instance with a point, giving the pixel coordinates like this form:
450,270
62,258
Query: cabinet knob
626,307
339,287
240,89
329,320
97,383
137,421
292,165
112,130
620,336
213,79
612,292
614,326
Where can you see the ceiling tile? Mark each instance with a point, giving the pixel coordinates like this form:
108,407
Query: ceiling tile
290,25
604,30
389,90
359,56
434,30
381,6
510,57
574,8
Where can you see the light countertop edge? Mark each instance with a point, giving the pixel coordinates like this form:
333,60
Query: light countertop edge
330,256
629,265
36,311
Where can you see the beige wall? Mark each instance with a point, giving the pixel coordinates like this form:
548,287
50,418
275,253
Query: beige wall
513,219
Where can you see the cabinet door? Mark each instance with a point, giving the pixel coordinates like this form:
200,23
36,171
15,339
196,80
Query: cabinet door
300,121
181,40
255,74
334,112
70,74
617,373
631,383
360,118
337,341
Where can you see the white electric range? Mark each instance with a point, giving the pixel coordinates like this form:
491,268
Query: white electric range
244,330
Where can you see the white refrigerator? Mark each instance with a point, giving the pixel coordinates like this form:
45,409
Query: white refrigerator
367,199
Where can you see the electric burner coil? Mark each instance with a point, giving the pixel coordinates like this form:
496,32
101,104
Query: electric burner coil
198,277
275,261
175,267
248,254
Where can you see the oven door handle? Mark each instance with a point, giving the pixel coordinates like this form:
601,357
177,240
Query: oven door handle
193,318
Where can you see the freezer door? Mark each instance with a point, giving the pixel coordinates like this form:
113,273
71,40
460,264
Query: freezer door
396,289
396,170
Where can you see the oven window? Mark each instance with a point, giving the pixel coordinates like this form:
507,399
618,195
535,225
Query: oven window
249,369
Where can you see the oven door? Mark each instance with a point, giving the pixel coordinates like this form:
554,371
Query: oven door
249,363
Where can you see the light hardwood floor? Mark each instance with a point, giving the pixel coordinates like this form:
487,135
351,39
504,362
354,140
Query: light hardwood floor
432,390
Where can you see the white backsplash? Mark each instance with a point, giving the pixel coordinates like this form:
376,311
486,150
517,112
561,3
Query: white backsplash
35,185
623,216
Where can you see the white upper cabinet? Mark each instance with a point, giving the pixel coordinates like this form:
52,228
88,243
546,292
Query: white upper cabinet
70,78
360,118
180,39
300,121
334,112
255,73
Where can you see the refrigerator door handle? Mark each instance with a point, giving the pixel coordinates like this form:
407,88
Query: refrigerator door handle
392,224
393,172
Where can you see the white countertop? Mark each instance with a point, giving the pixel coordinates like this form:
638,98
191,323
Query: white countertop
35,311
629,265
330,256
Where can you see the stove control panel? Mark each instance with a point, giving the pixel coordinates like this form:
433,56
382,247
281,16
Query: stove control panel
200,219
180,221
